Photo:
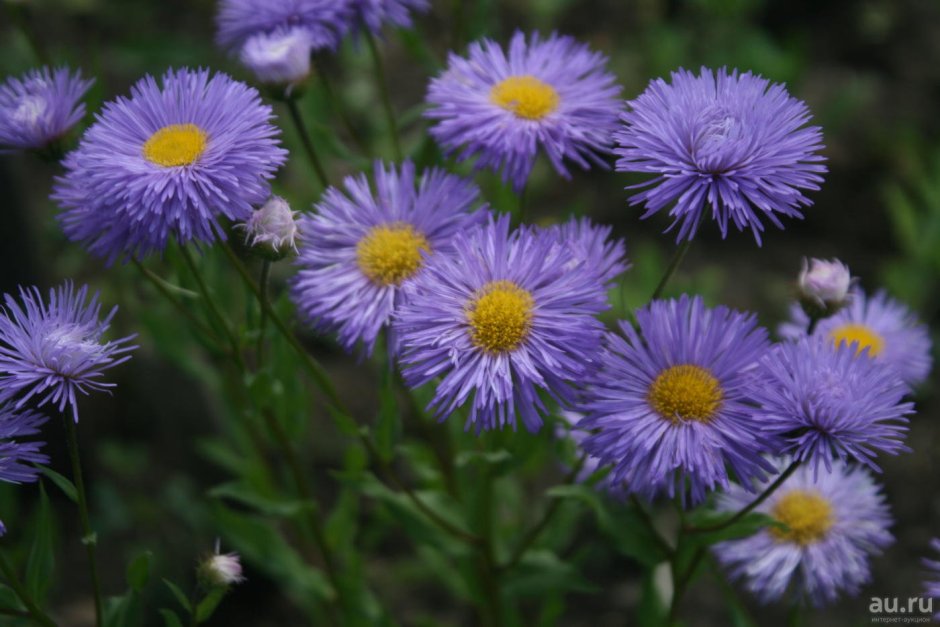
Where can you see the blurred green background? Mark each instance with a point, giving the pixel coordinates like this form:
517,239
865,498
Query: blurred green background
869,70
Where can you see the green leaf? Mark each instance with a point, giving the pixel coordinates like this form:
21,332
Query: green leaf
651,611
180,596
170,619
138,571
541,573
41,558
622,524
747,526
62,482
9,599
207,606
246,495
388,424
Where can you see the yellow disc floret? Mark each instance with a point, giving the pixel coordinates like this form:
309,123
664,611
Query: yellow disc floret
859,334
807,515
176,145
391,253
686,392
526,96
500,316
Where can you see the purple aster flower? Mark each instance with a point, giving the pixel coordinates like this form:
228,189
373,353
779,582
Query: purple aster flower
835,522
670,404
888,330
325,21
736,144
501,107
40,107
54,350
503,318
826,402
592,245
170,161
363,246
17,457
932,583
374,13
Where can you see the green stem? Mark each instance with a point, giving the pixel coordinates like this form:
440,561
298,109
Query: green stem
213,307
681,583
311,152
165,289
340,109
763,496
263,322
651,525
17,586
490,571
380,79
674,264
89,539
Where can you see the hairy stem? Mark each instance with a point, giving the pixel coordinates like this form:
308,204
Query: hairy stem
674,264
311,152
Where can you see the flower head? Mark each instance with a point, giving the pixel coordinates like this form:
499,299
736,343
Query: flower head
590,244
54,350
324,21
221,570
272,228
834,523
40,107
501,319
170,161
374,13
734,145
17,458
878,325
827,402
669,406
279,58
932,583
502,107
362,247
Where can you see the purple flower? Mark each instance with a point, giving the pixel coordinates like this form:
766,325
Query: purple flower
17,457
732,143
325,21
40,107
363,247
501,107
373,13
669,406
827,402
500,320
170,161
888,330
932,583
590,244
54,350
834,523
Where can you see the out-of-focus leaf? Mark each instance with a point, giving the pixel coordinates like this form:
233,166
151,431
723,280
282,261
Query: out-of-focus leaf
208,605
138,571
541,573
61,482
181,597
41,556
244,494
170,619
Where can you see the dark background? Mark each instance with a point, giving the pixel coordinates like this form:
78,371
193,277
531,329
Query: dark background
869,70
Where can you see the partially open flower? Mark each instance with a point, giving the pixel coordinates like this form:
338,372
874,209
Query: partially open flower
271,230
221,569
824,286
280,58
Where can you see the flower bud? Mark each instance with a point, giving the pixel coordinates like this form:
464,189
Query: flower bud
221,570
272,231
824,287
281,58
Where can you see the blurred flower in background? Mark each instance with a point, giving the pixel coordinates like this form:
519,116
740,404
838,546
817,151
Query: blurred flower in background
824,286
279,58
40,107
18,458
324,21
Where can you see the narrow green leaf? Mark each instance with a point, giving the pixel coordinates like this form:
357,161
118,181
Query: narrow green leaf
180,596
138,571
207,606
41,558
170,619
61,482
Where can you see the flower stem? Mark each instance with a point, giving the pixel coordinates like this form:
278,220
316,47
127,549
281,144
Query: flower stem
340,109
674,264
213,307
17,586
763,496
682,583
265,305
165,289
383,92
307,144
89,538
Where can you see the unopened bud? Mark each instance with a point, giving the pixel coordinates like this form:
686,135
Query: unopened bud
824,287
281,58
221,570
272,230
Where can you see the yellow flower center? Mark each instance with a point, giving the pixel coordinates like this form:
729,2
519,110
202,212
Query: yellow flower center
391,253
862,336
500,316
686,392
807,514
176,145
526,96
